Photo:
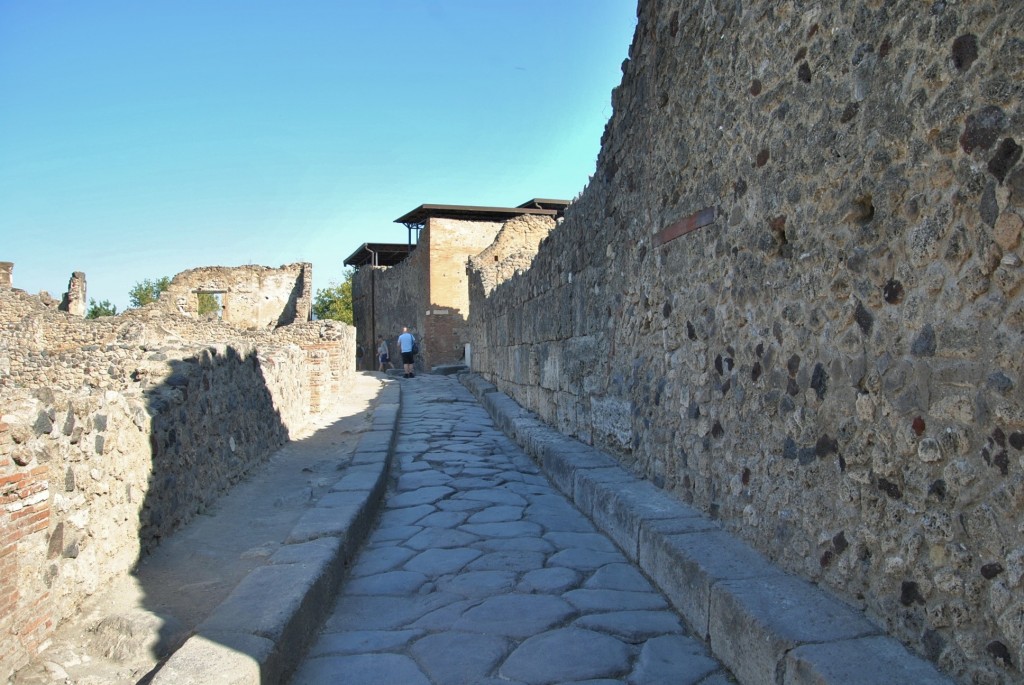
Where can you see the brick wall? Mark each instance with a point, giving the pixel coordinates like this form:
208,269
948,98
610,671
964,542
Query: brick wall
25,620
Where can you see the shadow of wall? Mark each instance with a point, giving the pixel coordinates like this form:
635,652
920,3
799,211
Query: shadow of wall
214,418
211,420
300,303
444,336
116,432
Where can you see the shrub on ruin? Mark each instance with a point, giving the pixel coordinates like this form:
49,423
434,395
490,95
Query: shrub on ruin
335,301
98,309
148,291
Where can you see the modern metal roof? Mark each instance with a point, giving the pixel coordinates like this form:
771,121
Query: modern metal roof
543,203
419,216
379,254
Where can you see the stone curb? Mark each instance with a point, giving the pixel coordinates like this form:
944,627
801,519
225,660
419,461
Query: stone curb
767,626
261,630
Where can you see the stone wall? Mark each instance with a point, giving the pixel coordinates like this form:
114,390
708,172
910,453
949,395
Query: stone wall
115,432
512,252
251,297
791,295
74,300
451,243
384,299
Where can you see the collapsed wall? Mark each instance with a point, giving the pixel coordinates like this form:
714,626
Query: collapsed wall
115,432
791,295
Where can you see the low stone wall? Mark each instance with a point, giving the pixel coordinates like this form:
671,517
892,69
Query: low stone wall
792,296
109,446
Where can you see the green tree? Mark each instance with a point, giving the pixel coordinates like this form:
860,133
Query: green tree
98,309
147,291
208,304
335,301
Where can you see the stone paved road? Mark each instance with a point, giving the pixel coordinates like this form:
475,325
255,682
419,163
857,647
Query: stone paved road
481,572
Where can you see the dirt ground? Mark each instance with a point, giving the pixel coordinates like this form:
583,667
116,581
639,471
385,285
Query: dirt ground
121,634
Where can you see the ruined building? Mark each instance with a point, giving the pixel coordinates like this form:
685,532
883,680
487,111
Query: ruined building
423,284
249,297
116,431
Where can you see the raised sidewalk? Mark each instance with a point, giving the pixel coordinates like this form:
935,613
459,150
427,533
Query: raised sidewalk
766,626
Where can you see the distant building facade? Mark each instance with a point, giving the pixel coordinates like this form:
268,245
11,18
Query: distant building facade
423,284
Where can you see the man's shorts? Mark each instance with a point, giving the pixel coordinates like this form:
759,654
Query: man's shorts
407,358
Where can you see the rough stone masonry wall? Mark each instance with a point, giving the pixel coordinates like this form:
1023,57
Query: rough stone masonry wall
115,432
791,295
251,297
384,299
512,251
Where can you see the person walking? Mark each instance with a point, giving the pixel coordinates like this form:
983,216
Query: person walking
407,343
383,355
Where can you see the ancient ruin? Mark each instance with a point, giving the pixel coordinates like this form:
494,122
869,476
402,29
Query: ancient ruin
791,295
74,300
250,297
424,286
116,431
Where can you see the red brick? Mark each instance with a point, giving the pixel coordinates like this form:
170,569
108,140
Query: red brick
8,540
13,478
39,521
29,510
32,488
30,517
9,599
34,624
686,225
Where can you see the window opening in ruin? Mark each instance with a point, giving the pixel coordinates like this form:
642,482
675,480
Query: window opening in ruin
210,302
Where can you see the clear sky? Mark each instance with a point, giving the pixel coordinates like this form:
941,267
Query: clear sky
140,139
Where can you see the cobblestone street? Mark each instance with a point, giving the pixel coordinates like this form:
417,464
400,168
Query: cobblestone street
479,571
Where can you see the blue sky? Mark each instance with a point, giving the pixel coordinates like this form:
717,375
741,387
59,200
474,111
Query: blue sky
140,139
